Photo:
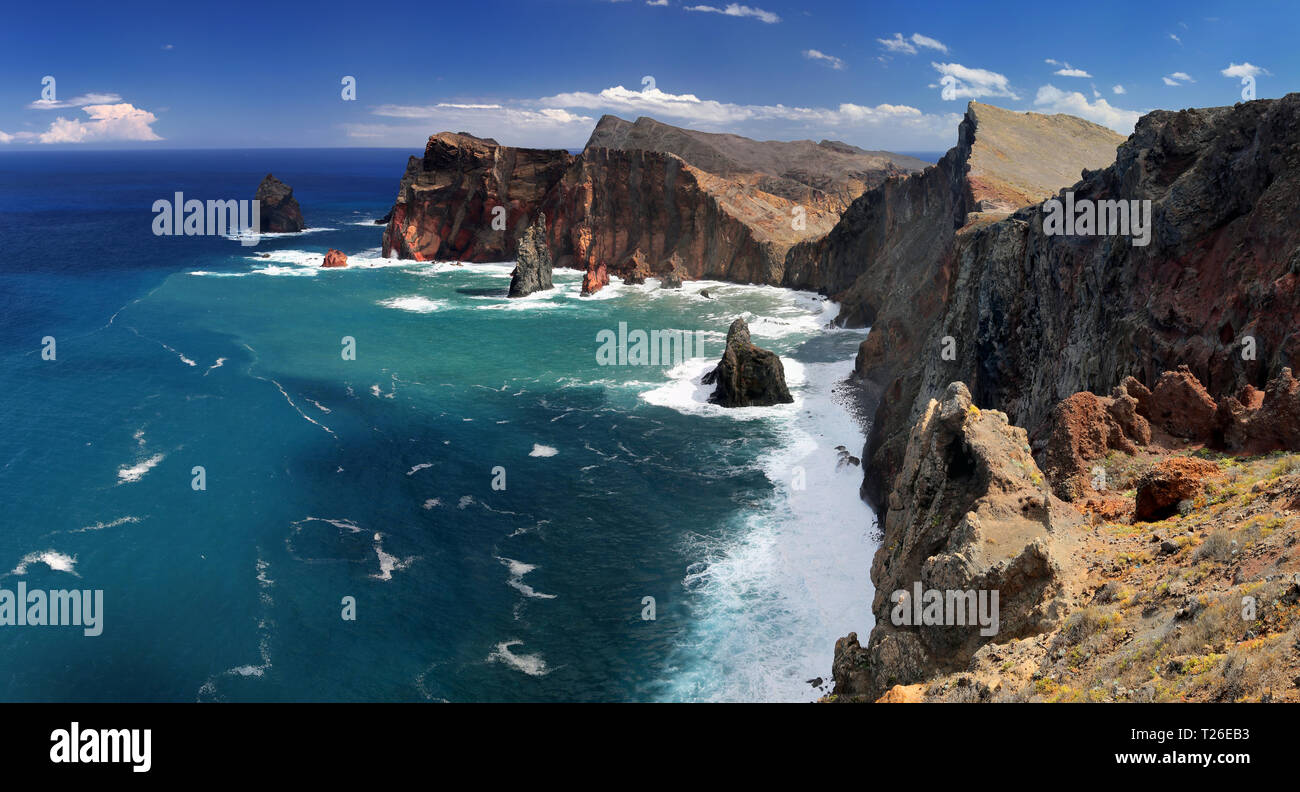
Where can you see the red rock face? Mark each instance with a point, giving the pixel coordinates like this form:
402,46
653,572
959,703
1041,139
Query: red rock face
335,258
1084,428
1257,422
1181,406
469,199
634,211
1176,479
595,278
614,206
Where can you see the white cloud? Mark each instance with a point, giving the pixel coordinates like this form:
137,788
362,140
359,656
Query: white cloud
1119,89
1175,38
900,44
926,41
1052,99
168,46
108,122
1177,78
1068,71
1246,69
737,10
565,120
656,2
963,82
1051,62
829,60
76,101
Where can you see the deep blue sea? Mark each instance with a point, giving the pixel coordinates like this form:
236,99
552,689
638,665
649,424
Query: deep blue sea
373,478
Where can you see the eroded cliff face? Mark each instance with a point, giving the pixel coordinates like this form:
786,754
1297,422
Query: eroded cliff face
643,199
449,198
650,213
1034,318
889,259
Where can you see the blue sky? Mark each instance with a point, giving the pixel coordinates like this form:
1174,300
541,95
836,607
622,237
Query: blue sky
541,72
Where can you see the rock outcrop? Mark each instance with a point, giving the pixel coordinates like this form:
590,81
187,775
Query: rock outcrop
1082,429
969,512
335,258
278,210
747,375
1172,481
532,261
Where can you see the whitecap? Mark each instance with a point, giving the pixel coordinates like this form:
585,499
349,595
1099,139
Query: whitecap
132,473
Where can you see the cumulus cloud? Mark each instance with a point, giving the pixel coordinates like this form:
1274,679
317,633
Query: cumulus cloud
1054,100
1178,78
1068,71
962,82
737,10
829,60
107,123
1243,70
656,2
1119,89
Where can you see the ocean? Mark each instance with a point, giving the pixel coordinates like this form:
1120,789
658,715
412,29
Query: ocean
504,513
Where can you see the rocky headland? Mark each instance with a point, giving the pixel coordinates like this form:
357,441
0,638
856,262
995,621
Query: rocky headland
643,199
1100,428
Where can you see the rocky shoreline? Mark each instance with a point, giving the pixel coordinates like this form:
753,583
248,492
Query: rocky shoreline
991,458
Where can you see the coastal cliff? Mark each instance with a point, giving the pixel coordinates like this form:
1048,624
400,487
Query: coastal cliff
642,199
1035,318
1184,476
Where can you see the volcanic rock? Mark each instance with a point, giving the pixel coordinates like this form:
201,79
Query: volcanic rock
1172,480
532,271
469,199
968,511
279,212
747,376
1035,318
335,258
1083,428
595,278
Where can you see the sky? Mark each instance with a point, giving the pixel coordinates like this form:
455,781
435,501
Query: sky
881,75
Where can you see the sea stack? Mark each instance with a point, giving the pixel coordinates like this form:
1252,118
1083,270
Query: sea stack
747,376
280,213
335,258
532,261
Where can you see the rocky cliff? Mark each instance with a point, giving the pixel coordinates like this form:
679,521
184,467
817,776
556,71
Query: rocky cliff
1029,319
643,199
469,199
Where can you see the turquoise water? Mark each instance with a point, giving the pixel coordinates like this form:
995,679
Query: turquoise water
373,477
